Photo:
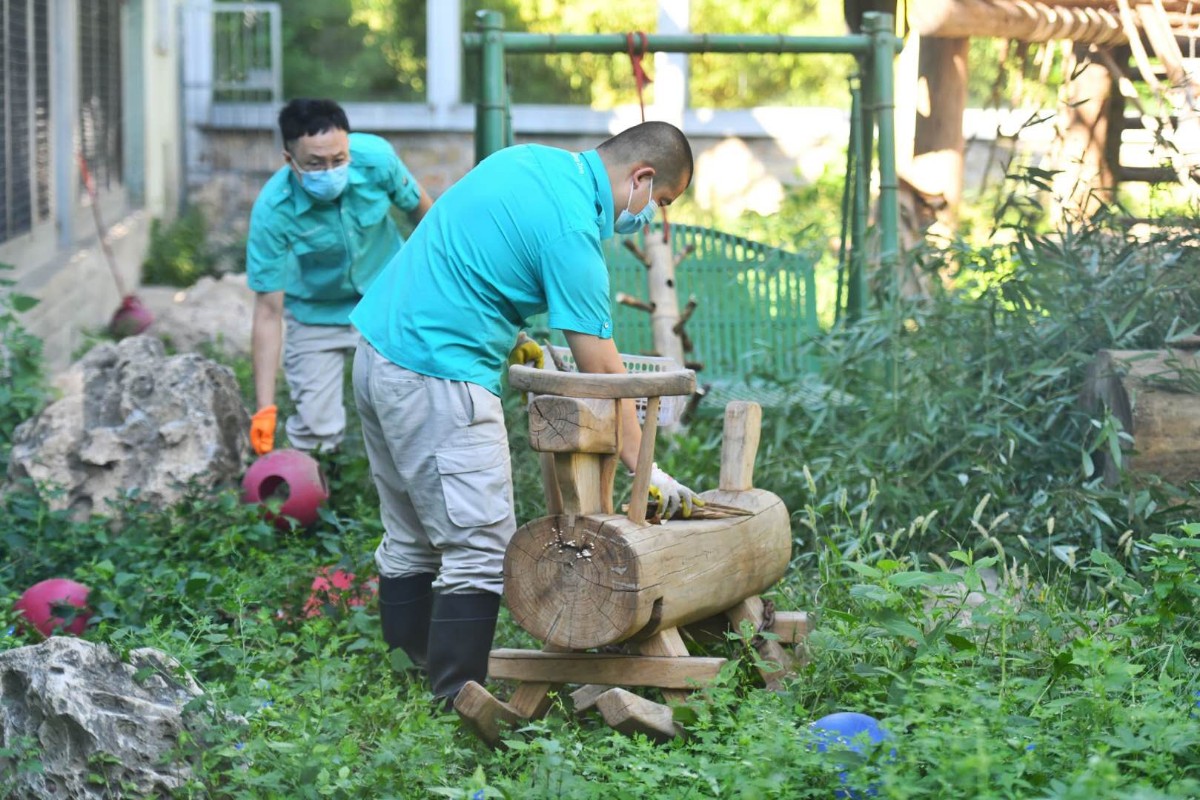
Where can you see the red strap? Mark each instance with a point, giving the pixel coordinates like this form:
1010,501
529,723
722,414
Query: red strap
639,72
641,78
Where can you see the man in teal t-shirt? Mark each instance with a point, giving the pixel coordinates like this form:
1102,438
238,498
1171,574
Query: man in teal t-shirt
320,233
519,235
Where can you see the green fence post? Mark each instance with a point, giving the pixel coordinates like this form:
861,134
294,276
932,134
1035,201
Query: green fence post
881,28
490,109
855,278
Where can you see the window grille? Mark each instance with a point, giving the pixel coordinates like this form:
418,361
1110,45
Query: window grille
100,90
24,116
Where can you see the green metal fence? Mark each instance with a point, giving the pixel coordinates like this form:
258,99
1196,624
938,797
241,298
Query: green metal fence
872,115
755,307
756,304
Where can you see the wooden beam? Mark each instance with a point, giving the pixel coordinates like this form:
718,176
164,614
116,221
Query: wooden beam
605,387
1024,20
628,713
483,714
663,672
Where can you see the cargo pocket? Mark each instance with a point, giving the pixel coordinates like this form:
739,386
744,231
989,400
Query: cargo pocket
475,483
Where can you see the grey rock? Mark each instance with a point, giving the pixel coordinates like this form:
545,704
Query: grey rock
217,313
101,727
135,419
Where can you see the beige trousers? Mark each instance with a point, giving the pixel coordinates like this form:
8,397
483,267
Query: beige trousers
314,363
439,457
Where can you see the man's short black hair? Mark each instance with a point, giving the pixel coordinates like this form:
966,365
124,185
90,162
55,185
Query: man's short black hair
660,144
306,116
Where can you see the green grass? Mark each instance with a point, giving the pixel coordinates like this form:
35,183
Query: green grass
958,448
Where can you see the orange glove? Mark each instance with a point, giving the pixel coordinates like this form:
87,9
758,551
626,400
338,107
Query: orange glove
262,430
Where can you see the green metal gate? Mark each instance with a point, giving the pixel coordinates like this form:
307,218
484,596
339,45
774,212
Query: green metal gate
755,307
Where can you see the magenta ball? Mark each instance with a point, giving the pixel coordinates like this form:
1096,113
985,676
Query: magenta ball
131,318
291,475
42,604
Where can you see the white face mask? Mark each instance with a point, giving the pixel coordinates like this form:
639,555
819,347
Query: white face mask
628,222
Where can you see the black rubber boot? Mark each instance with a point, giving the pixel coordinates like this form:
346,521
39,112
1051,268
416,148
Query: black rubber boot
405,603
460,639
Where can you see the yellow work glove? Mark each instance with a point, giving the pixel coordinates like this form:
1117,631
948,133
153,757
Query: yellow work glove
262,430
671,495
526,352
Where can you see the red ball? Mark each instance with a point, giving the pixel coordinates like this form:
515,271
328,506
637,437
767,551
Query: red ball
291,476
337,588
42,604
131,318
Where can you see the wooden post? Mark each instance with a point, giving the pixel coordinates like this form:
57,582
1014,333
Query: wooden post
1086,180
739,445
938,139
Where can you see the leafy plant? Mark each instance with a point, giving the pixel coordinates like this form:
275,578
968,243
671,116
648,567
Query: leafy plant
22,381
179,253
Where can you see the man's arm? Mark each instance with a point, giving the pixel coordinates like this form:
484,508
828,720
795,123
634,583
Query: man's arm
593,354
423,206
266,341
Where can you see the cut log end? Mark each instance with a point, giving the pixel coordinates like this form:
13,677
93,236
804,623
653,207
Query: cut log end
570,581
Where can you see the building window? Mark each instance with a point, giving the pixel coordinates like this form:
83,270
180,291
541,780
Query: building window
100,90
24,116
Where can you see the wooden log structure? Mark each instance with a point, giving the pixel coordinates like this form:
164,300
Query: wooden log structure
1086,22
1155,394
599,580
584,578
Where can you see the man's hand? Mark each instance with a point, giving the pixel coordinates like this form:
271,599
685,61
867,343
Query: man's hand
527,351
671,495
262,430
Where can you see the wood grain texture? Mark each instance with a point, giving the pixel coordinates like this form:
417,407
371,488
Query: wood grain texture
663,672
739,445
572,425
628,713
591,581
609,387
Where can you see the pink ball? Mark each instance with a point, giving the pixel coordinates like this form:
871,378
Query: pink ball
131,318
42,604
289,474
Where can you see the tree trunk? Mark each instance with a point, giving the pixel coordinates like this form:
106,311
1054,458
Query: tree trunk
1155,395
1086,181
938,140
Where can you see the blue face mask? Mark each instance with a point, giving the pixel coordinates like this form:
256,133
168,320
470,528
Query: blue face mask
628,222
326,184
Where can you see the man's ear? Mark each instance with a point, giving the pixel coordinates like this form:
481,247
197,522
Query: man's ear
643,173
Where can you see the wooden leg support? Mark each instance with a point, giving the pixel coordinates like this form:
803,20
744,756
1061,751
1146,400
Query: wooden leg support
667,643
484,714
628,713
777,663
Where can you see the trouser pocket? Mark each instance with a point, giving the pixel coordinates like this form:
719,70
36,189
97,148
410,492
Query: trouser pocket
475,483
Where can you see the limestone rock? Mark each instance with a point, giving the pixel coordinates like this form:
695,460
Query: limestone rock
80,710
138,421
215,312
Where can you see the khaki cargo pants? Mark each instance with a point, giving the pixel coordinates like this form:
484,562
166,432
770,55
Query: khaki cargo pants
439,457
314,362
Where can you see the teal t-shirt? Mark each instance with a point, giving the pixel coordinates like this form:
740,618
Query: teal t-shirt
518,235
323,256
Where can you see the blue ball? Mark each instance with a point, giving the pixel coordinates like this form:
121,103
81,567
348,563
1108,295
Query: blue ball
848,730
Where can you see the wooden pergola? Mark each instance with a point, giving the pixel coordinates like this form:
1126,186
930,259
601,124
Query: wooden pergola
1114,41
1096,22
